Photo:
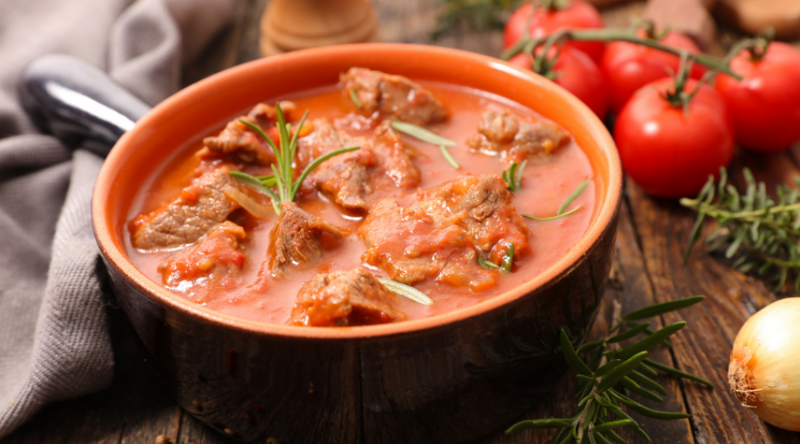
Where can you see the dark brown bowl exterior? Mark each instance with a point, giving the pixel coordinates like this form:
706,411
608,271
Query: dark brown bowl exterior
451,379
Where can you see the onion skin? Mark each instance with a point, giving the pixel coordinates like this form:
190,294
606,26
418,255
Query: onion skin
764,371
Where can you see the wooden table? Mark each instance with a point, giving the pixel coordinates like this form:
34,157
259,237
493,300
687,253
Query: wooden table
648,268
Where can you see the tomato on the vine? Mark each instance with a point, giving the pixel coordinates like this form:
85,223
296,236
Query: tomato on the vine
546,21
629,66
765,104
670,152
575,72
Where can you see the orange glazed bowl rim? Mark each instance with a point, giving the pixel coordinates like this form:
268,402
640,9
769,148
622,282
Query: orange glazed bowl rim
109,213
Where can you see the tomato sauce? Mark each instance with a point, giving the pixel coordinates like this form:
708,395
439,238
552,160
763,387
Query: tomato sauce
546,184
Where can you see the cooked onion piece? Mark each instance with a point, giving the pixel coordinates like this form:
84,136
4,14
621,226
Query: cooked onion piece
764,371
246,202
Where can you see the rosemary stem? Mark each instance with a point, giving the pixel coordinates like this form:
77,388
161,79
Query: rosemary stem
748,216
765,257
616,316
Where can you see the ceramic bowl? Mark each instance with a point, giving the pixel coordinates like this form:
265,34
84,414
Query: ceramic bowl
449,378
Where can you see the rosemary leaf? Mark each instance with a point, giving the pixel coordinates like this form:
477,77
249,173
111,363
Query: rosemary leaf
589,346
487,264
554,217
622,370
508,258
631,385
615,437
253,182
448,157
572,358
354,98
675,372
612,425
644,381
550,423
650,413
664,307
421,133
406,291
316,163
629,334
650,341
610,365
573,196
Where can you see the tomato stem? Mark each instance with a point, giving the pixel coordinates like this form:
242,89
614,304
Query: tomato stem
627,35
757,47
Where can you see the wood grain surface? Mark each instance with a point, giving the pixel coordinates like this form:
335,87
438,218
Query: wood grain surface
648,268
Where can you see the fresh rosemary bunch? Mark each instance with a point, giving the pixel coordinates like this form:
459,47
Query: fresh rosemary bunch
612,374
761,232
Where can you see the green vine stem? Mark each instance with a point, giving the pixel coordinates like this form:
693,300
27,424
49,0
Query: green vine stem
623,35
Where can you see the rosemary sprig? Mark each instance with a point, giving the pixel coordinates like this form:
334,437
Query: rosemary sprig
421,133
608,379
513,176
762,233
564,205
406,291
282,179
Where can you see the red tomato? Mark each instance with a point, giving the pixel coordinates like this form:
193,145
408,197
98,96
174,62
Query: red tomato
669,153
579,14
629,66
765,105
578,74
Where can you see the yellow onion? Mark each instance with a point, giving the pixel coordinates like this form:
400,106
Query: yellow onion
764,372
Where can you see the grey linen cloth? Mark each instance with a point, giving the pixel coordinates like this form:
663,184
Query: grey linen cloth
54,341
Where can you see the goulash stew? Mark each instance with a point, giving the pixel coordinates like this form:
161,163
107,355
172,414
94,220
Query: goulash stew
377,200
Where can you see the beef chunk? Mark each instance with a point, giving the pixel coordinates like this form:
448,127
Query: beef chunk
242,141
216,258
343,298
345,178
322,139
393,156
396,97
515,137
200,206
298,238
443,235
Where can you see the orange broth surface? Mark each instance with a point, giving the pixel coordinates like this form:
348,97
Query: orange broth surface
546,184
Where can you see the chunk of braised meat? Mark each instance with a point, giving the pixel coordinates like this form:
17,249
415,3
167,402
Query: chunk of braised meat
396,97
345,178
216,258
298,238
343,298
443,235
242,141
393,156
516,138
186,219
481,205
322,139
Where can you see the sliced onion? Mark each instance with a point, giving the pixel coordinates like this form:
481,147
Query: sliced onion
246,202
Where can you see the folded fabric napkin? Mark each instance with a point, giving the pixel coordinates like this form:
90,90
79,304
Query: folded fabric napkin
54,340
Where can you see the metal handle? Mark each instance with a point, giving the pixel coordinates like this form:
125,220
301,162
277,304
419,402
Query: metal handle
77,102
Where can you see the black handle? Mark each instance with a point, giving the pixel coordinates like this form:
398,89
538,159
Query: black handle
77,102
